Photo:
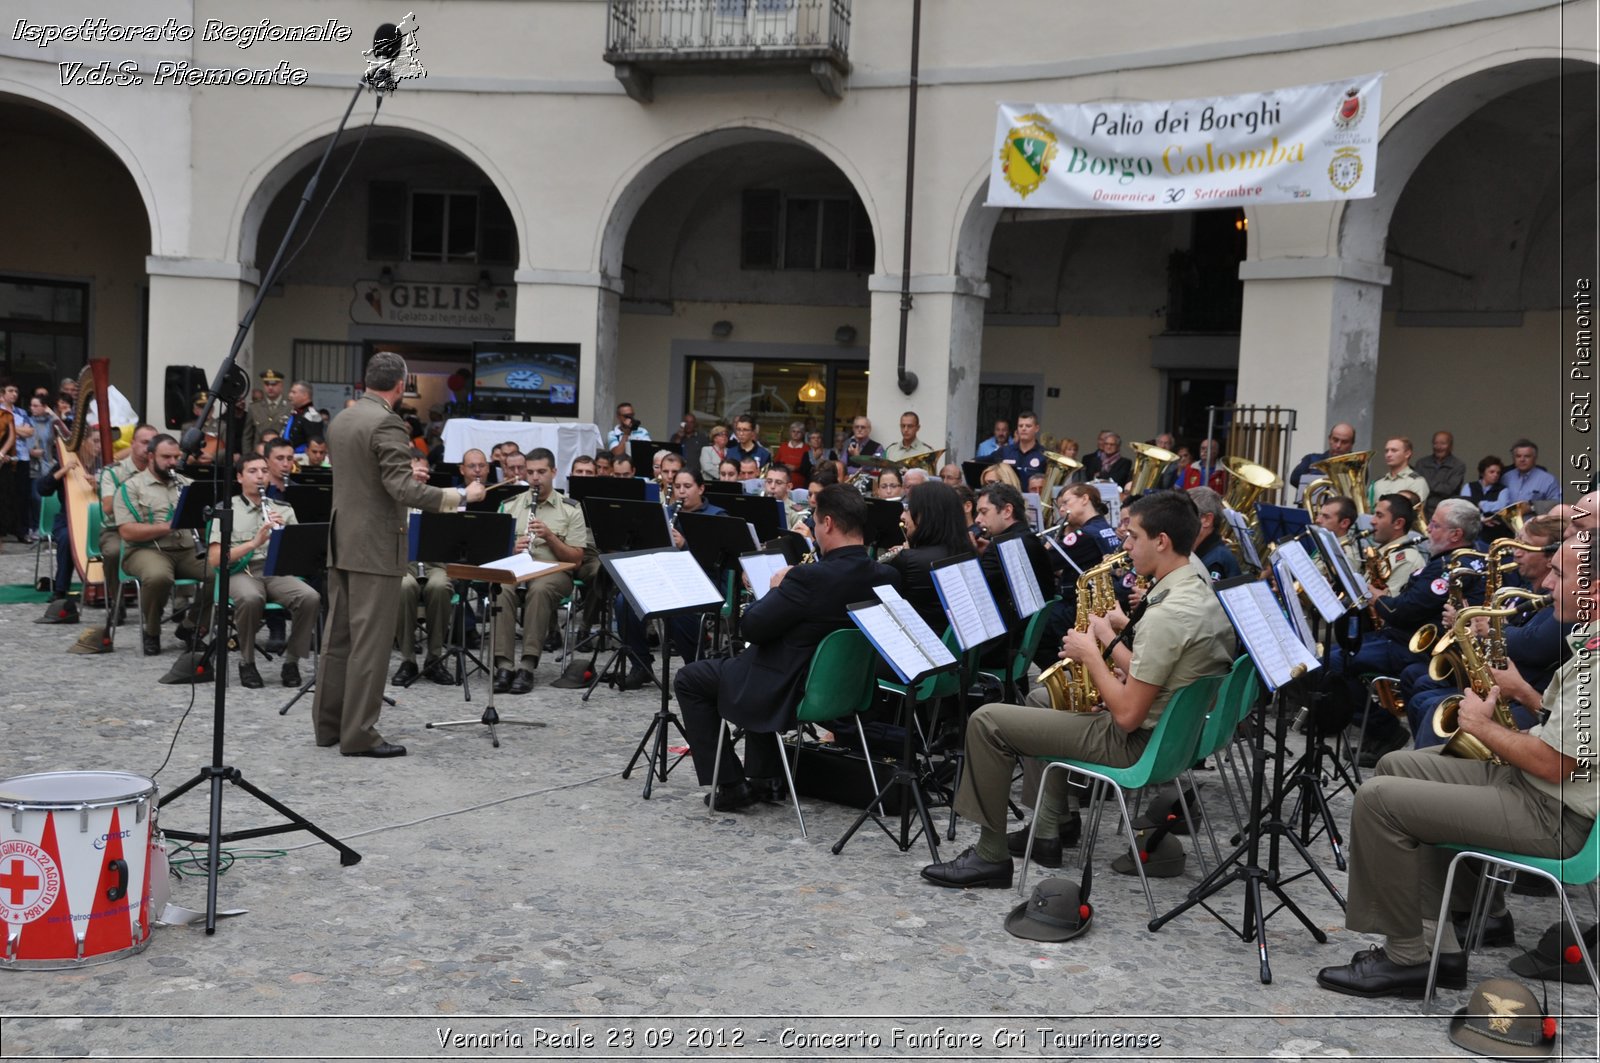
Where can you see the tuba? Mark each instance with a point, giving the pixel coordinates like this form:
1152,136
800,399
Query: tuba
1476,664
1343,475
1069,685
1150,463
1246,484
1058,467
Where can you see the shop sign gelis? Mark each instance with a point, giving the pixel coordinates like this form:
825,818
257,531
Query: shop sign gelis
433,305
1291,145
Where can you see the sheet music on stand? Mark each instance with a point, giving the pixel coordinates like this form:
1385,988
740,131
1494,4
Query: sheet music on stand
1291,602
1333,557
759,568
1025,592
902,638
964,593
1035,507
664,581
1278,653
1312,581
1111,495
1243,536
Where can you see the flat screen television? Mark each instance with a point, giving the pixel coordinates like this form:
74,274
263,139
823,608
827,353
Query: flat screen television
530,379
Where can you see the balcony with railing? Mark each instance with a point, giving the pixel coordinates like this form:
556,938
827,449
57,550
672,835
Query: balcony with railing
649,38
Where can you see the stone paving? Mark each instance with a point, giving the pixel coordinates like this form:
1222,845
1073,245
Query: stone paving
526,903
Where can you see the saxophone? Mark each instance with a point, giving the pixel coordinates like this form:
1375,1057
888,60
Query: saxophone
1068,683
1476,663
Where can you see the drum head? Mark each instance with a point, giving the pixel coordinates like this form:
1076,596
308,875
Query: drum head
72,789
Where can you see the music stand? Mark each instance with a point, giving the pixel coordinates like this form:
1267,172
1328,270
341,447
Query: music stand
312,503
619,525
920,655
643,453
763,514
724,489
582,488
657,585
975,618
1281,522
496,496
883,523
972,471
1281,660
314,476
196,500
302,550
470,538
497,577
716,542
443,478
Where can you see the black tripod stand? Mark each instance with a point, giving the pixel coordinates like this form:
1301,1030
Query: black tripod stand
231,386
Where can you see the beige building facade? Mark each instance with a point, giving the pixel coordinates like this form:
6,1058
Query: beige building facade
715,210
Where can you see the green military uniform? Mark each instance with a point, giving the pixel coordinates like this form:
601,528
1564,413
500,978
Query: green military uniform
1419,799
144,499
1182,636
265,418
111,478
251,588
565,520
436,594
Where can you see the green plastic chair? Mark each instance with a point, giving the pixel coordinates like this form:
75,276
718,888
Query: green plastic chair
1031,636
1579,869
49,506
841,682
1235,698
1170,752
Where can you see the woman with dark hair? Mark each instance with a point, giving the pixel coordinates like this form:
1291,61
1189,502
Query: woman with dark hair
1485,491
936,529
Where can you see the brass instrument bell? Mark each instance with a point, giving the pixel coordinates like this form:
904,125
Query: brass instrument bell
1057,468
1342,475
1150,462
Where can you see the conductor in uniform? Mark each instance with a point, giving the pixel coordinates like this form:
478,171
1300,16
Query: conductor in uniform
366,557
270,415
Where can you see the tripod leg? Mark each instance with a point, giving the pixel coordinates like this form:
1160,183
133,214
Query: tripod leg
348,857
640,748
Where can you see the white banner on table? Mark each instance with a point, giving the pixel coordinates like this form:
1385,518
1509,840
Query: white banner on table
1290,145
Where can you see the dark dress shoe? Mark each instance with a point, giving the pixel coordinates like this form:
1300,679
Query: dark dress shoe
1046,851
250,676
152,645
1498,930
290,674
638,676
772,791
437,671
502,680
967,871
405,675
732,797
1071,830
1370,973
183,633
522,682
474,640
382,749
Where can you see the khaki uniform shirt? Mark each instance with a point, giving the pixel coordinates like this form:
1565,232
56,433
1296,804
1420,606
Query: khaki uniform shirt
147,500
247,522
1402,563
1404,480
900,452
1182,636
265,418
111,478
1570,729
560,514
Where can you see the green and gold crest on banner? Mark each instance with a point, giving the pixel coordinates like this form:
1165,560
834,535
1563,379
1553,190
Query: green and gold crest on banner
1027,153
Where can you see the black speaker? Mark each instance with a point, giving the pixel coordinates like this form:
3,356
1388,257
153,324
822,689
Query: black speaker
182,383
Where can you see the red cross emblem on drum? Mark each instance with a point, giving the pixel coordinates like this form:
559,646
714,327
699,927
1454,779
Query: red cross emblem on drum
1440,586
29,881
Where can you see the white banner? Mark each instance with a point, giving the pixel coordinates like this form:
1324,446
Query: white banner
1291,145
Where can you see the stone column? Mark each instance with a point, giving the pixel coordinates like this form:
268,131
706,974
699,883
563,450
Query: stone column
944,349
195,308
571,307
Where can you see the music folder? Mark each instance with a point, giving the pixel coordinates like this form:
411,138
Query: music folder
1025,592
619,524
1333,556
760,566
464,538
1243,536
1281,522
661,582
312,503
716,541
1312,581
1279,654
764,514
194,499
902,638
964,593
972,471
509,571
298,550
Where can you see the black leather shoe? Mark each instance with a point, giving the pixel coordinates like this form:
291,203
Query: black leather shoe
1071,831
735,797
250,676
290,674
152,645
436,671
968,872
502,680
1046,851
1376,750
183,633
382,749
522,682
638,676
772,791
1498,930
405,675
1370,973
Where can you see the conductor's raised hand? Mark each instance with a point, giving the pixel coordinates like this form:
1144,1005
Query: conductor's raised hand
475,492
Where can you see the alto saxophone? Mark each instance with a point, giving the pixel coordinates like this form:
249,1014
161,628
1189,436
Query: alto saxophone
1477,665
1068,683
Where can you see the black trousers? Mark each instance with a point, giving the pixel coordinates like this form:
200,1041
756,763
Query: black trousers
696,687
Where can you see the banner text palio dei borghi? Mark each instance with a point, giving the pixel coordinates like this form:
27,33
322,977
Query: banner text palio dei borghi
1293,145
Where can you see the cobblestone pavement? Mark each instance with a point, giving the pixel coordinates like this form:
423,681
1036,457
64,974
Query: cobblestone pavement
526,902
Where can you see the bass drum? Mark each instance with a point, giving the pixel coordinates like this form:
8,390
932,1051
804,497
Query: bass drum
75,865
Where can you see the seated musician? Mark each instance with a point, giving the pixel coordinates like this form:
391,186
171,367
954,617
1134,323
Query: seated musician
111,478
316,455
604,465
908,446
1002,513
583,465
77,473
1210,547
1181,635
760,688
254,518
888,485
1338,516
1541,801
1386,651
1535,643
951,474
777,482
728,470
622,467
1391,526
280,465
514,468
436,592
153,552
1087,538
936,530
689,496
550,527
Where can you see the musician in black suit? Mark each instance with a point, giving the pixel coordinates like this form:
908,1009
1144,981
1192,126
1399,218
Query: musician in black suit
1003,514
760,689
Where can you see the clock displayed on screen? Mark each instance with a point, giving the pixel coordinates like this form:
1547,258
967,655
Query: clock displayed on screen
524,380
